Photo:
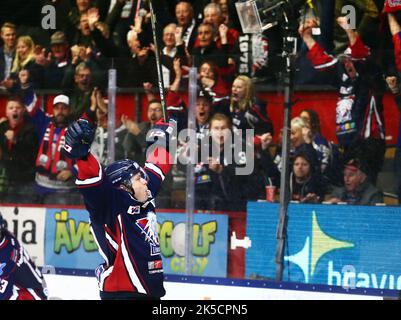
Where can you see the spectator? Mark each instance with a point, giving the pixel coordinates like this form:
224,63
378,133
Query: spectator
82,54
7,52
140,67
203,113
301,141
357,189
25,59
217,185
83,36
366,23
184,14
169,48
118,20
207,49
270,163
214,15
247,111
224,10
305,183
99,147
82,91
211,81
319,143
56,61
101,40
359,121
394,85
18,149
170,51
135,139
74,18
329,155
395,30
177,106
54,175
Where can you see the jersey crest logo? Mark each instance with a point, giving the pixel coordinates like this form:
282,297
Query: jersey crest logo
148,227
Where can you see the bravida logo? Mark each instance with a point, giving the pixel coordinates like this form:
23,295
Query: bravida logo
315,247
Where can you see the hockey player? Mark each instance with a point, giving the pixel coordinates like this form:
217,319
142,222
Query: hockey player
20,279
120,200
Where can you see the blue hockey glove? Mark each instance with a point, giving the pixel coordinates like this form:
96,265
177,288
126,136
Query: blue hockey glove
78,139
162,133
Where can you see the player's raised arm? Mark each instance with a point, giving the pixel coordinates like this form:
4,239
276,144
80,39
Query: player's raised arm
161,151
78,139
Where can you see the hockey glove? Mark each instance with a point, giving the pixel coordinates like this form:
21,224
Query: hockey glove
78,139
162,134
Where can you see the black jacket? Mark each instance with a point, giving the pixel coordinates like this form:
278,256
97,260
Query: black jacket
20,159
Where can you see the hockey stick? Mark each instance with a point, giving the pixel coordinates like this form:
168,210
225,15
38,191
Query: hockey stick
158,64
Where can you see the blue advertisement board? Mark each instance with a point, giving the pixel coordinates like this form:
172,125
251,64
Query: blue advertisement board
341,245
69,242
209,245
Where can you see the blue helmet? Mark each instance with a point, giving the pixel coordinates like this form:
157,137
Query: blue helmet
121,172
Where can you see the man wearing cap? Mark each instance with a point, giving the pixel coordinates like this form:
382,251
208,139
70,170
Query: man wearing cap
54,177
357,190
55,61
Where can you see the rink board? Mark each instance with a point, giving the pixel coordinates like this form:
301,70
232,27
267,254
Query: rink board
80,287
339,245
61,238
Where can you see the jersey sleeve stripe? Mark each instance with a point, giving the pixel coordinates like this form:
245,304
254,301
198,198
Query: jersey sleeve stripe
326,65
155,169
15,294
128,263
90,181
111,241
104,276
34,295
104,256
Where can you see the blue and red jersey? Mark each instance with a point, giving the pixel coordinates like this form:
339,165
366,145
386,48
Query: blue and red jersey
20,279
125,229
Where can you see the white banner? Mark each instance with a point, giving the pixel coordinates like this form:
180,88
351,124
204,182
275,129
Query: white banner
28,225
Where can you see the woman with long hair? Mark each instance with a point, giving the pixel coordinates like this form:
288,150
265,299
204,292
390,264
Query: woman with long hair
211,81
25,53
329,156
25,60
247,111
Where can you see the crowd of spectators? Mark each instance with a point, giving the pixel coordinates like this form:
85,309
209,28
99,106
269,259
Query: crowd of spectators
93,35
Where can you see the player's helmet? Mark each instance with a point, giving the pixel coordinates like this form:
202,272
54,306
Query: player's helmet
121,172
2,226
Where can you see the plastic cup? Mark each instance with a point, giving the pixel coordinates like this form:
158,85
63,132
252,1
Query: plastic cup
271,193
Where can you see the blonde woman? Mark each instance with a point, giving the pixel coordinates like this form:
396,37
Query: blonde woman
247,112
25,53
25,60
